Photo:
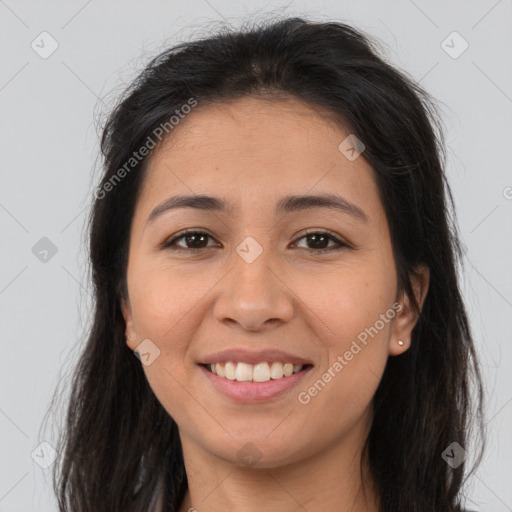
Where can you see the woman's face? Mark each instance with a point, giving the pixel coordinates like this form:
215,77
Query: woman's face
265,286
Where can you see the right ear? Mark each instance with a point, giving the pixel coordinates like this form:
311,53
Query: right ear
131,336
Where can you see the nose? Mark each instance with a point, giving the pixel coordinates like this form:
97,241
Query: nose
254,297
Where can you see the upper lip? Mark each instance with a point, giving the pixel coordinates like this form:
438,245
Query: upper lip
253,357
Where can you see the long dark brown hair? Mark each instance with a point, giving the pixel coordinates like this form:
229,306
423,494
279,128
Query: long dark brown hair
119,450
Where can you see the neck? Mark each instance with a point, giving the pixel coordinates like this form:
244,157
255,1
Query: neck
330,480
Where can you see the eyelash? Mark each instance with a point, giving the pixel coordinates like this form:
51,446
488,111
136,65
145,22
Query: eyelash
170,242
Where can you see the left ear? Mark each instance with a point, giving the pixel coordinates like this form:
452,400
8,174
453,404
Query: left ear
406,317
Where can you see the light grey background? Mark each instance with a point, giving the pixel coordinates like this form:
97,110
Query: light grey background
49,147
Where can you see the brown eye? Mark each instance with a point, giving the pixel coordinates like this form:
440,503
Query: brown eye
193,240
318,241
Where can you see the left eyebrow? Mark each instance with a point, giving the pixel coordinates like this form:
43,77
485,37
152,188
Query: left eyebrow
287,204
330,201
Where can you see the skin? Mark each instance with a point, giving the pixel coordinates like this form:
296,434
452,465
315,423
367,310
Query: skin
251,152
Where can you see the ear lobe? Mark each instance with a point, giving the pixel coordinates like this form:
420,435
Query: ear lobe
406,318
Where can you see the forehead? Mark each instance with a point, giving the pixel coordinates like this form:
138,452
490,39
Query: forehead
255,148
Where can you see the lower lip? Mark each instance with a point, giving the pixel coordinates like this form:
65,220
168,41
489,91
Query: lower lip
249,391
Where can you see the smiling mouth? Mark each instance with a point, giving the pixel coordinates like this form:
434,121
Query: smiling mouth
260,372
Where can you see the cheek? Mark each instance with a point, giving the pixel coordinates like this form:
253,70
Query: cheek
162,301
355,313
344,302
167,308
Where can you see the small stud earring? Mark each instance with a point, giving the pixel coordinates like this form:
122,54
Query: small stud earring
401,343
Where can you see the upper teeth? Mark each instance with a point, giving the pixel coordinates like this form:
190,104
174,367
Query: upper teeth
260,372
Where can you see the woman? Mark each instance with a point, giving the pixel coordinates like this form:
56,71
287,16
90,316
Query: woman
271,239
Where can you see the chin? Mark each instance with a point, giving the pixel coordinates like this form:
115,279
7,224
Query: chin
257,452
